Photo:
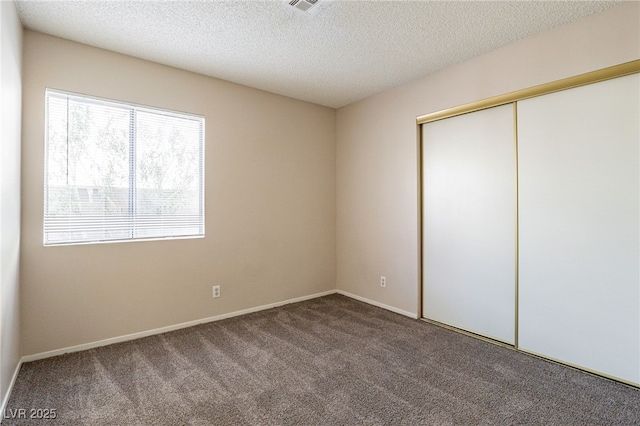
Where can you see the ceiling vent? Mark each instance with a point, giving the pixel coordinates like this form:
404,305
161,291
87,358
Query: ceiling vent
309,7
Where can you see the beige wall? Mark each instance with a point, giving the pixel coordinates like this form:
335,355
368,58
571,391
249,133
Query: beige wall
10,123
377,148
270,206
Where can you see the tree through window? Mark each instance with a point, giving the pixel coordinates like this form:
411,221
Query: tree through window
115,171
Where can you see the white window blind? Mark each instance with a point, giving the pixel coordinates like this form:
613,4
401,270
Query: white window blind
115,171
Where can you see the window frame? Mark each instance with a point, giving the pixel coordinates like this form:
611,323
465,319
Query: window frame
133,109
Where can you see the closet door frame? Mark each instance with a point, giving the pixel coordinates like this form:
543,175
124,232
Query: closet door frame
609,73
621,70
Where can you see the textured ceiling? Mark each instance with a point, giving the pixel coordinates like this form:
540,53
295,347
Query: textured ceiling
347,51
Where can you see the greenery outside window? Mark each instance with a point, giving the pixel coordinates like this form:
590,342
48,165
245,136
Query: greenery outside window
116,171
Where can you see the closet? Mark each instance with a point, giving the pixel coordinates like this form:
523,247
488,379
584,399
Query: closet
531,220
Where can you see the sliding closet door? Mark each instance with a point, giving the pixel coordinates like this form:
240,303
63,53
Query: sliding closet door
469,222
579,235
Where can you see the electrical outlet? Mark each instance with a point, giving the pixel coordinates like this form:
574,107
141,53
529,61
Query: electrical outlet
383,281
216,291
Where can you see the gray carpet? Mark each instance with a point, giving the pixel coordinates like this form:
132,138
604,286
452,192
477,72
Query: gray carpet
327,361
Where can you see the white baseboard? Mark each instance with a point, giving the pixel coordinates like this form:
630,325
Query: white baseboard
378,304
133,336
139,335
5,400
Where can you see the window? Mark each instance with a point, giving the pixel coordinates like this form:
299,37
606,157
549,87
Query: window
115,171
